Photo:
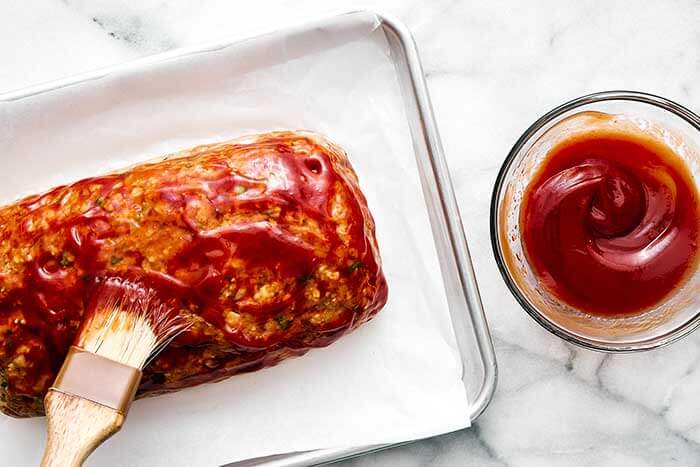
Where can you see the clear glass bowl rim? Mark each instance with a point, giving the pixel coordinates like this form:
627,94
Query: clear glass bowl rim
594,344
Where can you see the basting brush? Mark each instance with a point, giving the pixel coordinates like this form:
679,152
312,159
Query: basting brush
126,326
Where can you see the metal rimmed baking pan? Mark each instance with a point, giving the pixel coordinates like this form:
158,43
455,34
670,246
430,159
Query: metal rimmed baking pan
461,294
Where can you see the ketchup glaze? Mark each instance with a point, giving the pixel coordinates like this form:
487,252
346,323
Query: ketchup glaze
266,247
609,222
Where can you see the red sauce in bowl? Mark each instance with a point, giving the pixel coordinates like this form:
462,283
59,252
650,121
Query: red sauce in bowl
610,222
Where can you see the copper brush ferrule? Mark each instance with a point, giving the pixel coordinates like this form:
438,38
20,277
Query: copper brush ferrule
98,379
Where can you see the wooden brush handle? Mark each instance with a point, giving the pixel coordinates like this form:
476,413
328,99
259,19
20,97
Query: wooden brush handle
76,426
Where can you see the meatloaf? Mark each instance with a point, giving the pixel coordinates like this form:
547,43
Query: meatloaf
264,244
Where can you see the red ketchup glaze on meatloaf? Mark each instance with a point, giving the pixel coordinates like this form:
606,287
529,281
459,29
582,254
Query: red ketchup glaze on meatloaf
265,244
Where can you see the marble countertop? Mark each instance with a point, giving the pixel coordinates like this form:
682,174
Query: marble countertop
493,67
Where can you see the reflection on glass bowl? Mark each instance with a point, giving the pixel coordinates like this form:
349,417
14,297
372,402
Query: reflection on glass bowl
652,118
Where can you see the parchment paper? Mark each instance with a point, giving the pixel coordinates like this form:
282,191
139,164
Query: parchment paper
396,378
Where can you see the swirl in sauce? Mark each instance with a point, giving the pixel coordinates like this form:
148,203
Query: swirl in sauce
610,222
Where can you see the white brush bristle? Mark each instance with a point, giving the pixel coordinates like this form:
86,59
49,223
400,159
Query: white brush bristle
128,323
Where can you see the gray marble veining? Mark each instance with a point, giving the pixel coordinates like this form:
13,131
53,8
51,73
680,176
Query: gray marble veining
493,67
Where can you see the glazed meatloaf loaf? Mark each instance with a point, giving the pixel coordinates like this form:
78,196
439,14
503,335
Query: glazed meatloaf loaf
265,244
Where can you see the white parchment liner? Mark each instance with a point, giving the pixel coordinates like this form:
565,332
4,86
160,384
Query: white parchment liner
396,378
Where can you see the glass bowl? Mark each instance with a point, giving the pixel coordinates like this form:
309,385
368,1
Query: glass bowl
674,125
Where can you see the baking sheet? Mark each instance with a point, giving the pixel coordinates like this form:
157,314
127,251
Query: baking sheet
396,378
